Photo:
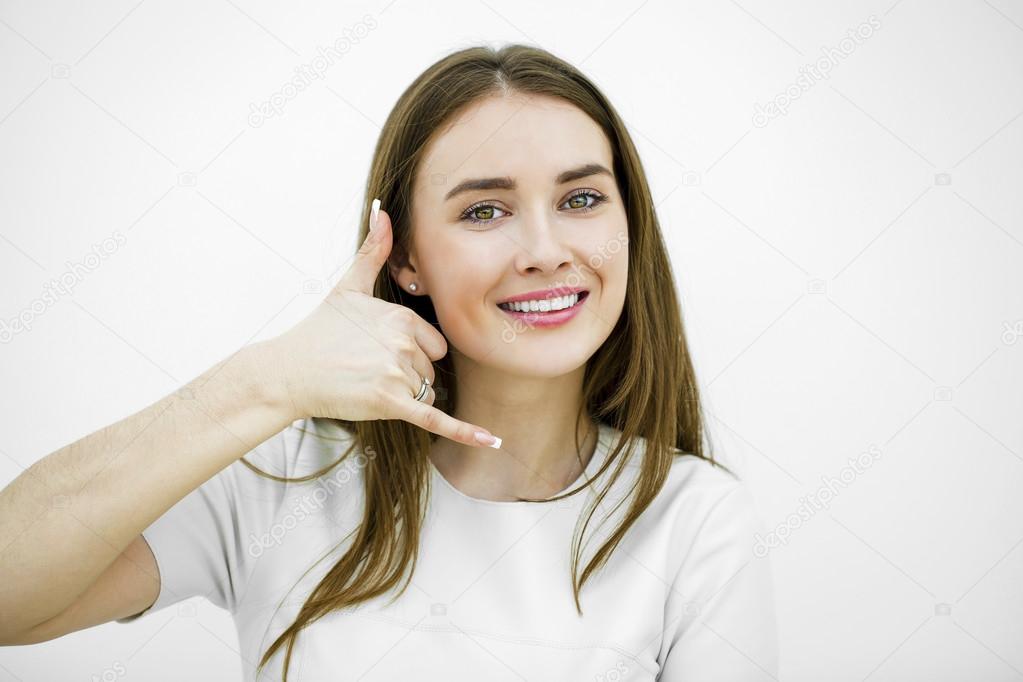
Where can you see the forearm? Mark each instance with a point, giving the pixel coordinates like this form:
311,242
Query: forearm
68,516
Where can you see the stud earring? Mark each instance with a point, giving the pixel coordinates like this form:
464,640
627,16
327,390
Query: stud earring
412,287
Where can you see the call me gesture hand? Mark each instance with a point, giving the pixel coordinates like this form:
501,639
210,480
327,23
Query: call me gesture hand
357,357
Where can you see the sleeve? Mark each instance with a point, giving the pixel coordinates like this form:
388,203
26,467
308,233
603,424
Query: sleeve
720,618
208,543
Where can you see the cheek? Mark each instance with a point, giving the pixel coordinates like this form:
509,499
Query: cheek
460,272
618,281
612,274
608,251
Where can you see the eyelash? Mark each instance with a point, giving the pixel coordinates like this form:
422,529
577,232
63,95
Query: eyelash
598,199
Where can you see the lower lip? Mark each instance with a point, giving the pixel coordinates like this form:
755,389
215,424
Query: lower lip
549,319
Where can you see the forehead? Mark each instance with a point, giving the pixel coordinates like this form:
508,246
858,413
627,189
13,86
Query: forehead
523,136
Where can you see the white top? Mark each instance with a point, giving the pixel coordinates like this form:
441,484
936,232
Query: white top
683,596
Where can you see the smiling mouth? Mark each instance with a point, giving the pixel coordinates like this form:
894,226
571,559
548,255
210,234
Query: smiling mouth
546,306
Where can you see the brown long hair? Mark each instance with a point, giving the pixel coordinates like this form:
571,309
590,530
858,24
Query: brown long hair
640,381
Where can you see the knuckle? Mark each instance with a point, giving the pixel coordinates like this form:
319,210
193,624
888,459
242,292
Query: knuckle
367,247
431,420
396,374
405,345
404,318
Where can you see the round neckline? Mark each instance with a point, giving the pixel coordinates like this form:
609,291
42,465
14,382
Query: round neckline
598,455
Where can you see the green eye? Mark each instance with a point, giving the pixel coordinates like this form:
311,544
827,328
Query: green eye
578,201
481,213
574,200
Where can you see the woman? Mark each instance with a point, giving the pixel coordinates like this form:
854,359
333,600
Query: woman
302,483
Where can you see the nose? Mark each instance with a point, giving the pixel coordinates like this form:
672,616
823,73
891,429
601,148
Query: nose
540,246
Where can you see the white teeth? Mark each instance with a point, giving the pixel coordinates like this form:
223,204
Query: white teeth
544,305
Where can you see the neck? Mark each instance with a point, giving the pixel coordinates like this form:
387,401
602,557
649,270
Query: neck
536,419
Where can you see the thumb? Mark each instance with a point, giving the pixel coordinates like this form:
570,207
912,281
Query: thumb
371,256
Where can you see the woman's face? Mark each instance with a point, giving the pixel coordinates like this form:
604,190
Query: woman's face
531,225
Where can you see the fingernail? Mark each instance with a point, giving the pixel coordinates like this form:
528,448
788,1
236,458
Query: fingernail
374,213
487,439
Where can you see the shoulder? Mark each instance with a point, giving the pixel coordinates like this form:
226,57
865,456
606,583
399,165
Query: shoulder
700,489
700,499
715,523
698,481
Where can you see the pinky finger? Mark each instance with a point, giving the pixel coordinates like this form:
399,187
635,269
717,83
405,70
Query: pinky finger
436,421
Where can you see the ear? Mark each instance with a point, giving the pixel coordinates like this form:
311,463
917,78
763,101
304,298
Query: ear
403,270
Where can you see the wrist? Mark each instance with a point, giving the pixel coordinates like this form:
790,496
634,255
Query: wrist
269,384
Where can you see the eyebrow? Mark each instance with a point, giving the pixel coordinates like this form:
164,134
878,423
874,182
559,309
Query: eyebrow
584,171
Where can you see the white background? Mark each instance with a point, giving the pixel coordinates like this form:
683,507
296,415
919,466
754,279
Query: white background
850,272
